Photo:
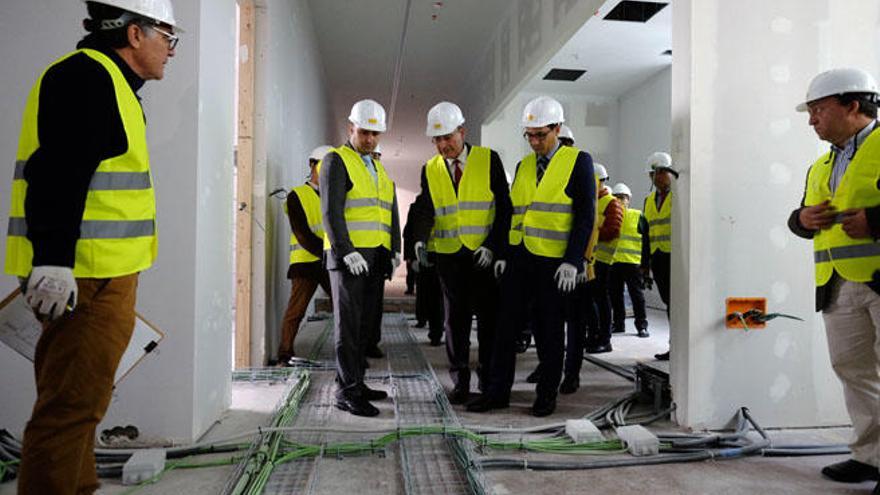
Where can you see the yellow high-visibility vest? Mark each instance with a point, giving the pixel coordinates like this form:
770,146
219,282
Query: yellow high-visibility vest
368,204
542,214
118,228
629,245
659,223
311,204
605,249
465,219
855,260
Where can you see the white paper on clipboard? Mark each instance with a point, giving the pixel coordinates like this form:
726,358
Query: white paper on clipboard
20,330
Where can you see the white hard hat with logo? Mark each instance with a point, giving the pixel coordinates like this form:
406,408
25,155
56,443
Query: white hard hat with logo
368,115
319,152
621,188
157,10
600,171
443,119
661,161
839,82
542,111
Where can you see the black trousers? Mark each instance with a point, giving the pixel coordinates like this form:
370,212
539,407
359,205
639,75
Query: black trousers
357,305
601,333
529,277
660,267
627,274
410,277
580,310
467,291
429,300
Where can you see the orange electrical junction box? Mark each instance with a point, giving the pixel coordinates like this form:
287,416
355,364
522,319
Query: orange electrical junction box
736,306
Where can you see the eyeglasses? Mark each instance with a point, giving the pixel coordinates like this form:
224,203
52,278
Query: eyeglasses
173,39
540,136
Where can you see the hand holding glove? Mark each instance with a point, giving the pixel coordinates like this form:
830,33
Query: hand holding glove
500,266
483,257
565,277
422,254
356,263
395,262
50,291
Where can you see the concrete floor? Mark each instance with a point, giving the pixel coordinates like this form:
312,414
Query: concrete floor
253,404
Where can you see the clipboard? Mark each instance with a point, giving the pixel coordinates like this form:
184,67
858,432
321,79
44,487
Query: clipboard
20,330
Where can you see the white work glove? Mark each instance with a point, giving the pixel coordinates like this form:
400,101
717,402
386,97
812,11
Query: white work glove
500,265
422,254
51,290
581,278
565,277
395,262
356,263
483,257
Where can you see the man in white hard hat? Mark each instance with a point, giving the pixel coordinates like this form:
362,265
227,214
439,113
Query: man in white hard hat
631,253
658,212
81,228
306,271
361,242
566,137
610,218
463,217
840,211
553,197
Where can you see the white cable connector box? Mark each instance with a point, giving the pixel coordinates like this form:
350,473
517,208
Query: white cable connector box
639,441
143,465
582,431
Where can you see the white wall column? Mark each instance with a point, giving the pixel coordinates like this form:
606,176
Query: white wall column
744,154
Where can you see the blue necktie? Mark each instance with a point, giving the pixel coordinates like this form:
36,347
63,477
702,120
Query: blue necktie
368,161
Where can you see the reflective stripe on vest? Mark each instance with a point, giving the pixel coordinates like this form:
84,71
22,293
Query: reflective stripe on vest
856,260
463,218
659,223
311,205
629,246
118,227
605,249
368,204
542,213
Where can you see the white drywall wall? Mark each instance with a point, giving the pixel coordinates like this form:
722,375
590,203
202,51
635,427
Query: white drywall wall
745,154
295,119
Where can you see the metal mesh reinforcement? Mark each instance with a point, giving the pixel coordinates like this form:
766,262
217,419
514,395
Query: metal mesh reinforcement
429,464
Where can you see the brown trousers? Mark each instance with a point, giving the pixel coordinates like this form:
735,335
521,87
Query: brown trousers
300,295
75,362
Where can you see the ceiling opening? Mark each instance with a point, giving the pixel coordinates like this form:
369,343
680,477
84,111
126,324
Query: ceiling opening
564,74
633,11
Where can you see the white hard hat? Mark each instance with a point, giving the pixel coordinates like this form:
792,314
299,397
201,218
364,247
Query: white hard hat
158,10
542,111
443,118
661,161
378,149
600,171
319,152
621,188
369,115
838,82
565,132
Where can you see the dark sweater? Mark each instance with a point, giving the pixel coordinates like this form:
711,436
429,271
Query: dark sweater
78,126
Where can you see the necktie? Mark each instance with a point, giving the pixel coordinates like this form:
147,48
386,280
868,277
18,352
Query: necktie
368,161
456,173
542,166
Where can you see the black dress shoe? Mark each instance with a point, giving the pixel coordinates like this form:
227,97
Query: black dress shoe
459,395
620,329
435,341
851,471
543,408
373,394
485,403
598,349
664,356
357,406
374,352
522,344
534,376
570,384
643,333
